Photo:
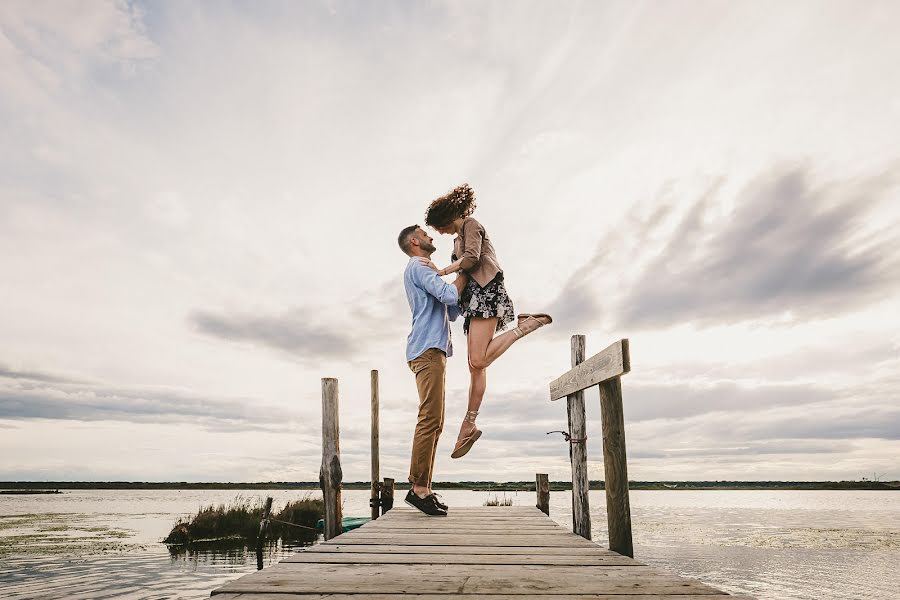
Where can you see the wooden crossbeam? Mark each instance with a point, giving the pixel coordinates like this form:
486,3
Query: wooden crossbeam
611,362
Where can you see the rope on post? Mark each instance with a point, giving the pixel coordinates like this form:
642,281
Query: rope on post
568,437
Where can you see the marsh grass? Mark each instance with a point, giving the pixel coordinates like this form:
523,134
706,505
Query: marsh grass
497,501
239,520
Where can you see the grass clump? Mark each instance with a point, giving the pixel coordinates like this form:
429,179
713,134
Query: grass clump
240,519
497,501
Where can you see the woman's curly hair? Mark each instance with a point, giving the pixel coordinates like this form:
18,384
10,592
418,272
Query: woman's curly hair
458,203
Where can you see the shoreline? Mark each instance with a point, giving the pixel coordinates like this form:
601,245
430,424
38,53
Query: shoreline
42,487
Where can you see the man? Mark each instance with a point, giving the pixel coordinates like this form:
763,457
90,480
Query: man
434,304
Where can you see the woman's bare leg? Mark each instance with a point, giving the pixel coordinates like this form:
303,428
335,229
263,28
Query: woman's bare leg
481,332
500,344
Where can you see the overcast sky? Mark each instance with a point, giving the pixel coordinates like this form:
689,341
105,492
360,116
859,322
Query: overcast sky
199,204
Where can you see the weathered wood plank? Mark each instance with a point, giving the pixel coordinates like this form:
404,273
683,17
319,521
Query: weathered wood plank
416,558
466,530
460,550
611,362
638,596
462,579
437,539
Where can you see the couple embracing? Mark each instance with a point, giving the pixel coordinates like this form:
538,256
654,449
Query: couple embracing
479,296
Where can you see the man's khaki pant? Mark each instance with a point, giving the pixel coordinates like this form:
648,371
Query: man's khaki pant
430,369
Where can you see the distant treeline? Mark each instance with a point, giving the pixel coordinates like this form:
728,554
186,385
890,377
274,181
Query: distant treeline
508,486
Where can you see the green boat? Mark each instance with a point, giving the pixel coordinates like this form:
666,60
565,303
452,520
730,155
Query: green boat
347,523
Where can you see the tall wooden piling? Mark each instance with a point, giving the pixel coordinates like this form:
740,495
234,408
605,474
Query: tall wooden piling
581,513
330,475
375,496
542,488
618,507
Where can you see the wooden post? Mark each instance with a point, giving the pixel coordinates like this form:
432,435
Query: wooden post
330,475
542,487
581,514
375,496
618,508
261,538
387,495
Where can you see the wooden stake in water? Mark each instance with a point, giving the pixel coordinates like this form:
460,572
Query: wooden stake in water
263,528
330,474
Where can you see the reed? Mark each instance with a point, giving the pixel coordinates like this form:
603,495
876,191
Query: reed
239,520
497,501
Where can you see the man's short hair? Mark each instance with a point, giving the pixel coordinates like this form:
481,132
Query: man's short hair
404,238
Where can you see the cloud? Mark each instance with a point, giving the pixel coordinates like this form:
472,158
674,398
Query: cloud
315,332
37,395
789,246
8,373
296,332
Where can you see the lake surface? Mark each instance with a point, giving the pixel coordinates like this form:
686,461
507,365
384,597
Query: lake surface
811,545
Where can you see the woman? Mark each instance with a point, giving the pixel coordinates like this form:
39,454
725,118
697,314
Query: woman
484,302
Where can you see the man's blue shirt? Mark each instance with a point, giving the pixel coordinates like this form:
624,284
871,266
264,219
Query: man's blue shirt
434,303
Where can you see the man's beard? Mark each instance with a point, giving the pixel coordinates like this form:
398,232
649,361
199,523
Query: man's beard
427,247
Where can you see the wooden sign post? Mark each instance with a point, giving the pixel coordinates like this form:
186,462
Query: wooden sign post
605,370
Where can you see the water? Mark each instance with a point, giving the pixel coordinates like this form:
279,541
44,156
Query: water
810,545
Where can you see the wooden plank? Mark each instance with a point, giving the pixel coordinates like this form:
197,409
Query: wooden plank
330,474
462,579
375,495
450,526
464,531
437,539
638,596
615,464
611,362
593,550
581,510
378,558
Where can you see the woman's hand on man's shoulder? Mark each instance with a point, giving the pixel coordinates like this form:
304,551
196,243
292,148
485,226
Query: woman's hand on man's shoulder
427,262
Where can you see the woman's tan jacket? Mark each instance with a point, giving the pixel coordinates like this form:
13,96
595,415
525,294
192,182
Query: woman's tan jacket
473,246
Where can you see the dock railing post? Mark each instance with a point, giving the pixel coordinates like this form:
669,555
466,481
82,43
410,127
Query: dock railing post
618,507
581,513
387,495
375,496
542,487
330,475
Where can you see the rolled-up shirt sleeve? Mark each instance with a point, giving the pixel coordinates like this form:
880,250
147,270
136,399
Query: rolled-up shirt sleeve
437,287
472,238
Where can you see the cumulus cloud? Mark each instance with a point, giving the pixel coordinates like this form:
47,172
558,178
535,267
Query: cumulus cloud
791,245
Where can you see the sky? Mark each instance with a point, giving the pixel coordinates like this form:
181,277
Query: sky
199,206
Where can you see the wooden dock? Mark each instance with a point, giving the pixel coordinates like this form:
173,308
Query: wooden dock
496,552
